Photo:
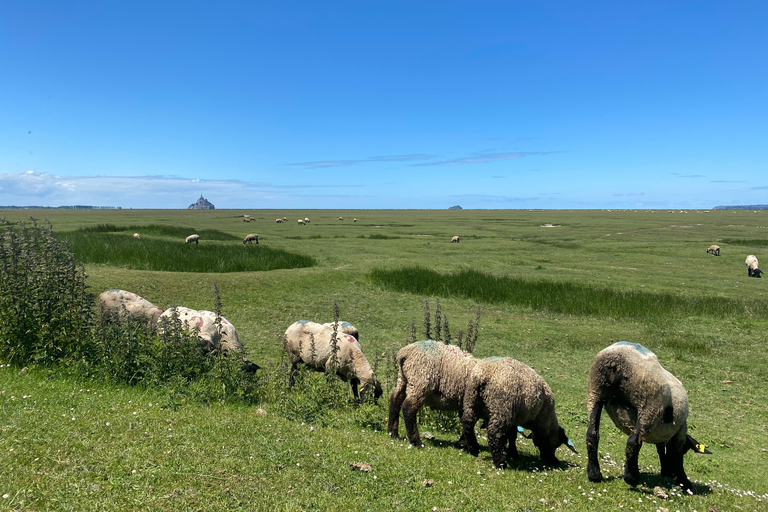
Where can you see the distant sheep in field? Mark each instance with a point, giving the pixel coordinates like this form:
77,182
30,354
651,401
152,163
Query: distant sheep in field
136,236
306,220
506,393
192,238
752,266
251,238
309,343
119,303
714,249
646,402
285,219
302,223
341,218
429,373
354,220
455,240
279,221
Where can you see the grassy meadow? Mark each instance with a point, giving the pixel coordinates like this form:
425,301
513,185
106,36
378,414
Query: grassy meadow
553,287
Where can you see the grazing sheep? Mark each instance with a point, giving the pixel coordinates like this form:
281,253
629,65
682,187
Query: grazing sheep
354,220
341,218
279,221
507,393
714,249
752,266
644,401
285,219
118,303
203,323
306,220
250,239
346,328
301,222
192,238
352,363
136,236
455,239
429,373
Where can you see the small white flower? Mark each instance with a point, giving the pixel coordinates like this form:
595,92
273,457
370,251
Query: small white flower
5,496
109,424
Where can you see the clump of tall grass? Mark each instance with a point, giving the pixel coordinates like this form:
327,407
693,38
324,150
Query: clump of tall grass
176,256
745,242
45,311
160,230
560,297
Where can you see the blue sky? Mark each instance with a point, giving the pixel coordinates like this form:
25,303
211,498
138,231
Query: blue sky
384,104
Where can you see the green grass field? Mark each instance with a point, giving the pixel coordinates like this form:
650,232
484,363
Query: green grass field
554,287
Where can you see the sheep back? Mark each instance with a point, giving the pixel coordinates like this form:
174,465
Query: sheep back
203,323
346,328
122,302
634,386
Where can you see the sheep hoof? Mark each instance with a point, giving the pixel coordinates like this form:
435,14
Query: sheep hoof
632,479
594,476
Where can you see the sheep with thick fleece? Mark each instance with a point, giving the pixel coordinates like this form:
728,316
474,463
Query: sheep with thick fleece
136,236
429,373
192,238
279,221
507,393
306,220
644,401
302,223
455,240
346,328
203,323
714,249
302,338
249,239
753,269
121,302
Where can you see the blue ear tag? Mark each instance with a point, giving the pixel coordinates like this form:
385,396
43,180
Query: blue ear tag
520,429
570,443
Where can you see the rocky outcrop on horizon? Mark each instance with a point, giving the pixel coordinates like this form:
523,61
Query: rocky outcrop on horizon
201,204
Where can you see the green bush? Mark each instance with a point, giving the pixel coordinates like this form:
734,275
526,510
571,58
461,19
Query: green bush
46,315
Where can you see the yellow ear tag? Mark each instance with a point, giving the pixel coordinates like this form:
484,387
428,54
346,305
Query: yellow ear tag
700,448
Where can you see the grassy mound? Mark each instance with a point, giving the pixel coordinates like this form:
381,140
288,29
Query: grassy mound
175,256
559,297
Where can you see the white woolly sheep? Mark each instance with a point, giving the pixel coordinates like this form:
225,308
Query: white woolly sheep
119,303
136,236
714,249
251,238
341,218
203,323
192,238
306,220
429,373
309,343
279,221
285,219
354,220
455,240
301,222
346,328
646,402
507,393
752,266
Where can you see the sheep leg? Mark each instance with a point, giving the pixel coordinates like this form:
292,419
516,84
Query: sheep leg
631,468
468,421
410,407
395,404
353,383
496,444
593,440
292,375
512,452
665,460
675,451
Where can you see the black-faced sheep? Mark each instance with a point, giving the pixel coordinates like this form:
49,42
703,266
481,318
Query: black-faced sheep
507,394
341,218
306,220
301,222
455,240
646,402
136,236
752,266
714,249
249,239
192,238
121,302
279,221
429,373
309,343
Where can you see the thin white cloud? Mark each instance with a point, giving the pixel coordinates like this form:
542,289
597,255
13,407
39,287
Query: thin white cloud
322,164
484,159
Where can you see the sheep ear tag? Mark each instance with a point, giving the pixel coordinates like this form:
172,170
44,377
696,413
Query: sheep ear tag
570,446
522,433
697,446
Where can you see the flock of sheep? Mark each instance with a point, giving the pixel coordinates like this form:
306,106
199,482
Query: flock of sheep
753,269
642,399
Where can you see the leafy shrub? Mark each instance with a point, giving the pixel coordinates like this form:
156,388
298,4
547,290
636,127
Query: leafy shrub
46,314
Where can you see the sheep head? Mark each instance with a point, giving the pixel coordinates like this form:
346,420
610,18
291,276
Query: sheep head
373,386
547,445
